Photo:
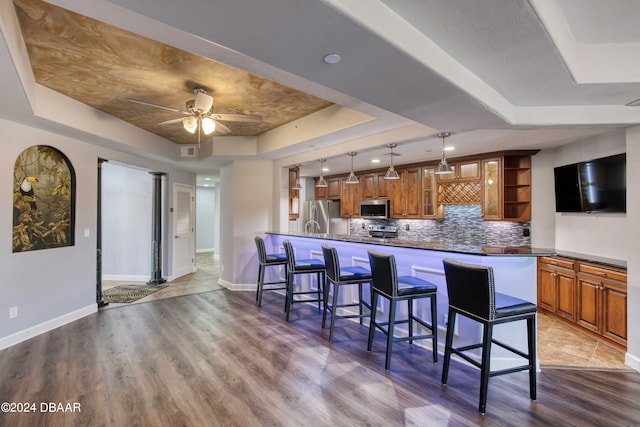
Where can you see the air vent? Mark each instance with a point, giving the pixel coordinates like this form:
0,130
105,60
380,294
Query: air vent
188,151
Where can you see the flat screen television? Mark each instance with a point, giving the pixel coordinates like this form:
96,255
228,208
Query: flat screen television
598,185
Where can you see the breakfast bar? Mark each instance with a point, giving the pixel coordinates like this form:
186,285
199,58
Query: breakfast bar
514,271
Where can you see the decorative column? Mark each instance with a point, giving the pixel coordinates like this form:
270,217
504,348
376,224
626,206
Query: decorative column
156,231
99,300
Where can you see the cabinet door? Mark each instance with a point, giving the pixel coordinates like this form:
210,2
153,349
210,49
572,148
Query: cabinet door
589,310
491,186
468,170
614,322
350,201
428,192
566,288
320,193
369,183
406,194
384,187
547,288
333,188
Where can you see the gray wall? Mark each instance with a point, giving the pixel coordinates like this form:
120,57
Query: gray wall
206,219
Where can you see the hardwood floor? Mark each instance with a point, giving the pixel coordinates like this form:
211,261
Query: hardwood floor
214,358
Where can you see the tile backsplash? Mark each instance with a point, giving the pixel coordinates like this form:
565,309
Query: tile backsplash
462,224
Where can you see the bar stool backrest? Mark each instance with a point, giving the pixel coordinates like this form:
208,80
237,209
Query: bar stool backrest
331,262
262,252
471,288
288,250
384,276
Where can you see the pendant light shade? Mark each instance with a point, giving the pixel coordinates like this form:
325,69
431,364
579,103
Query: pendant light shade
352,178
391,172
321,181
443,167
297,185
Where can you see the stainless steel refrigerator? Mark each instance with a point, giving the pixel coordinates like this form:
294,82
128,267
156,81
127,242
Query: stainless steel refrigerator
323,217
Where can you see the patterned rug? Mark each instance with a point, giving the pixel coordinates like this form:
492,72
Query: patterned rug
129,293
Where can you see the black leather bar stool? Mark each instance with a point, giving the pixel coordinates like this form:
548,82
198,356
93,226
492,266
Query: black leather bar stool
386,283
338,277
268,260
303,266
472,294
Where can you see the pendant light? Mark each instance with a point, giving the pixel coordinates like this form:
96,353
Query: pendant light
352,178
297,185
321,181
443,167
391,172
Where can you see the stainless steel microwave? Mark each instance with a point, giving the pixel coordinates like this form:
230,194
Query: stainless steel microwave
374,209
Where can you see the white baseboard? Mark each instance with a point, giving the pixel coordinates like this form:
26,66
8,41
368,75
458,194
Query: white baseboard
199,251
632,361
33,331
125,278
237,286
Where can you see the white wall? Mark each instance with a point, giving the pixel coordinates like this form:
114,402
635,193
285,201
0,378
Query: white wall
127,202
205,218
592,234
52,287
246,192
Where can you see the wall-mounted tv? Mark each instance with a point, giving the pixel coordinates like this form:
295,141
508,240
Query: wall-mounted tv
598,185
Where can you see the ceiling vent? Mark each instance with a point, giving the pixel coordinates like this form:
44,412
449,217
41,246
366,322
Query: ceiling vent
188,151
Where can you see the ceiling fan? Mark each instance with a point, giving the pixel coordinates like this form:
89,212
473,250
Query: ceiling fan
200,116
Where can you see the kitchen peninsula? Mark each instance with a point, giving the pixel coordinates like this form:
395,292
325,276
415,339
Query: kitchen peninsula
514,270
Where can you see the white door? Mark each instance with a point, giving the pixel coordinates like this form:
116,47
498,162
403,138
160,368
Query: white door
183,226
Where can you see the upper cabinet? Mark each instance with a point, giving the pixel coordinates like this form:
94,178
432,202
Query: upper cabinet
407,190
491,189
294,197
516,188
332,191
462,170
429,192
350,199
374,186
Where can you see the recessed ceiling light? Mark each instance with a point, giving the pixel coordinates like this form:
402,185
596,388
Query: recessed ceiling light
449,148
375,160
332,58
325,169
207,179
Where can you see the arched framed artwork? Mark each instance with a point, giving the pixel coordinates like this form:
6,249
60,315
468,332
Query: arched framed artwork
44,193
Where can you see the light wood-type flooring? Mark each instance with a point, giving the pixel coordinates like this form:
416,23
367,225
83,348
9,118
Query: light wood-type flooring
214,358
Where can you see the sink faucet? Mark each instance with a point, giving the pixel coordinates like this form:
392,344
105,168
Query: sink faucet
309,224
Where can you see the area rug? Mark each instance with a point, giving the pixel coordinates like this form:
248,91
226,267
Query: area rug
129,293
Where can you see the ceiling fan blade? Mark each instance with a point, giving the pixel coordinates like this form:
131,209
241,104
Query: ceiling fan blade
149,104
222,129
168,122
236,117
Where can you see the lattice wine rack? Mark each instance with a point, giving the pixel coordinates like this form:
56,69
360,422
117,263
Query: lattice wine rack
459,193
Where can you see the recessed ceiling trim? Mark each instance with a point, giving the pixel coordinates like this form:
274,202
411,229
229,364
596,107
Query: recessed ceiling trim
588,63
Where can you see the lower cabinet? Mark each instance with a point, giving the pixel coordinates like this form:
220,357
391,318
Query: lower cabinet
588,295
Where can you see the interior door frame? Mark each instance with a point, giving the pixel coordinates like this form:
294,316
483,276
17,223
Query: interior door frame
175,270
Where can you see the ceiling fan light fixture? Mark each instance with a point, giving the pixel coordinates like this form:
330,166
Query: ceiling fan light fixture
203,101
443,167
208,126
190,124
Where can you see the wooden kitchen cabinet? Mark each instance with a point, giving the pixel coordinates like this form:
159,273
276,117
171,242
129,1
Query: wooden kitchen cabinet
374,186
407,194
516,188
491,189
462,170
602,301
557,286
350,199
429,192
294,196
587,295
330,192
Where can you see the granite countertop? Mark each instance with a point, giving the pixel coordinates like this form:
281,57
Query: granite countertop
433,246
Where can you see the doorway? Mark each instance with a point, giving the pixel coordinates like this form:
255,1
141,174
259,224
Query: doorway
184,257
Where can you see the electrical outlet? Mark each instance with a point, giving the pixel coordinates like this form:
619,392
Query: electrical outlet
406,227
525,232
13,312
